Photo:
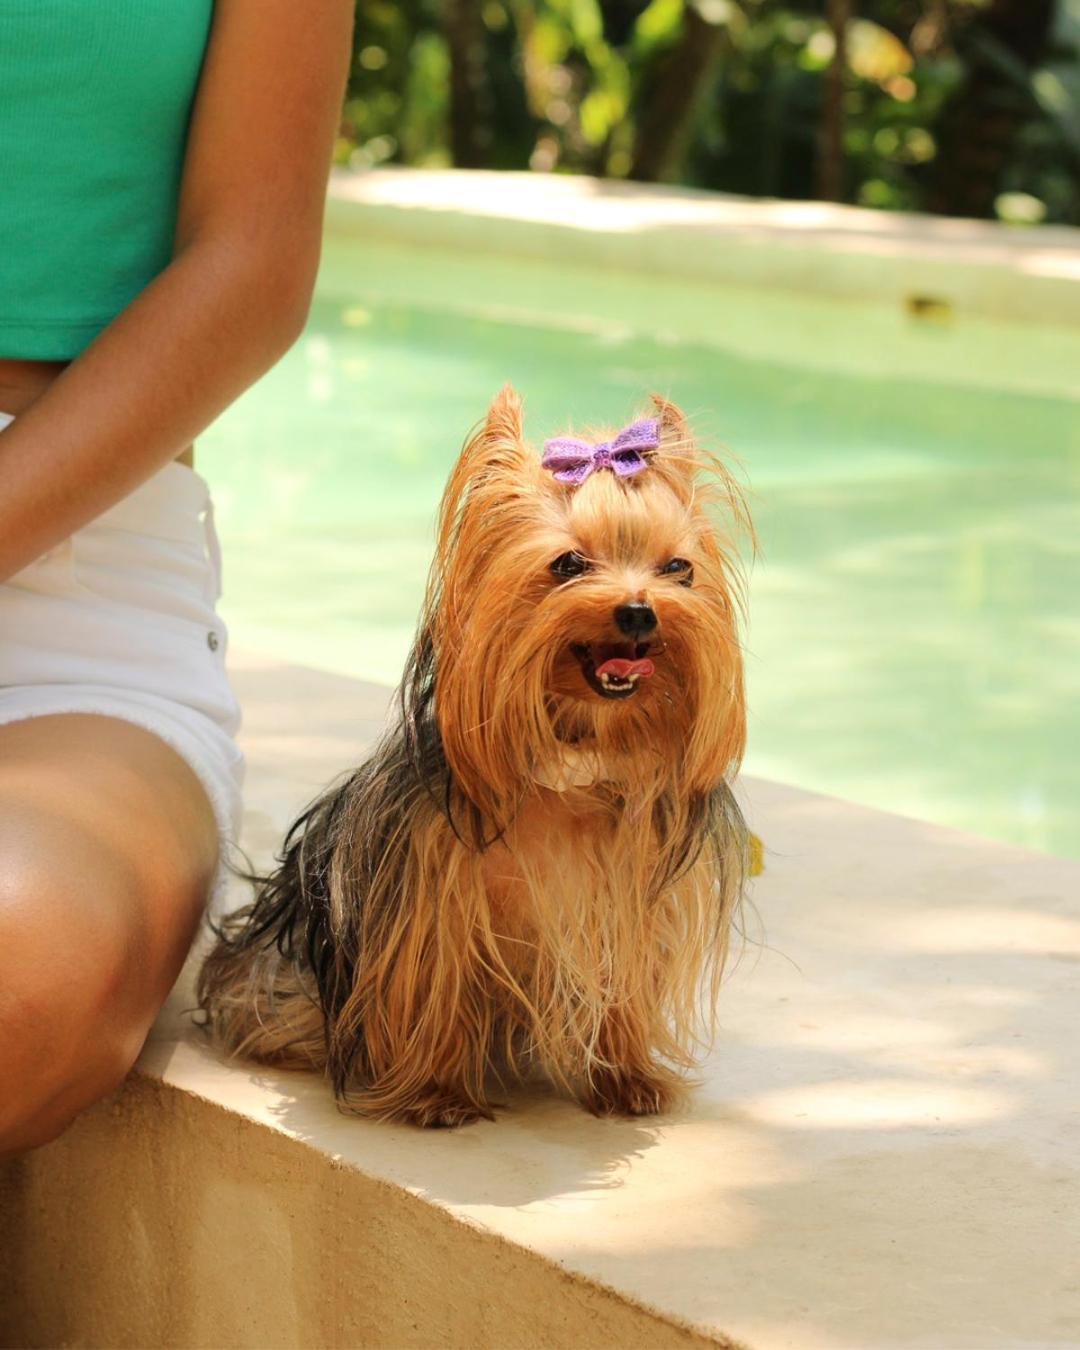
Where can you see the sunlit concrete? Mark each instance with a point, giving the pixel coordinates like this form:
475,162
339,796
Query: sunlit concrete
883,1152
931,263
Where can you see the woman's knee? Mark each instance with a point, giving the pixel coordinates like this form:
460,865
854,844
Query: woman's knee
101,886
68,1032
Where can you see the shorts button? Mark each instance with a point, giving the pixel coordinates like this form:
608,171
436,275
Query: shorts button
212,640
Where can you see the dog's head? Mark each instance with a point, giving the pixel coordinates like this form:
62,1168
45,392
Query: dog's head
587,597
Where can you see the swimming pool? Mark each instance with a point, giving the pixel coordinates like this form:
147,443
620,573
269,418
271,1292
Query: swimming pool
914,641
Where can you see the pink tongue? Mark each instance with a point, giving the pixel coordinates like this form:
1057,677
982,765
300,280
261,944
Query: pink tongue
622,669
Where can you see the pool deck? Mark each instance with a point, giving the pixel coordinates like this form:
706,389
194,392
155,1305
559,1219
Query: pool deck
884,1152
927,264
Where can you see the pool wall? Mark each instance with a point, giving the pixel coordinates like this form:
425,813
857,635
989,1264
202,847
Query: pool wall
921,263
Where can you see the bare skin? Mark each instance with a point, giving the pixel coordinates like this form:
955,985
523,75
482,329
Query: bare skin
107,846
23,382
107,840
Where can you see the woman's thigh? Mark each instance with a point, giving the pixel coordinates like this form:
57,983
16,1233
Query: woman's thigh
108,847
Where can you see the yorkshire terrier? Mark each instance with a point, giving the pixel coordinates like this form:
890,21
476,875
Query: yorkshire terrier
538,867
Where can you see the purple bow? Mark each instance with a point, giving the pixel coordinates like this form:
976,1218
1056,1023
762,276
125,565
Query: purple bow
571,460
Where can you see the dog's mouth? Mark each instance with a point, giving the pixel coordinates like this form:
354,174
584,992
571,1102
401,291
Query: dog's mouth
614,669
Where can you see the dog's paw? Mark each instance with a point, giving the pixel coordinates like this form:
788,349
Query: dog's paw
614,1092
445,1113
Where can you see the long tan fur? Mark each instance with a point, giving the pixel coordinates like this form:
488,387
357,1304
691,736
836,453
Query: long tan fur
455,913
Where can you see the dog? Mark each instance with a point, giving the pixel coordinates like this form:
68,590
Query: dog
537,869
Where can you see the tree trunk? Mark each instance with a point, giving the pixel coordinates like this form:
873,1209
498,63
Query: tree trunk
668,119
465,39
831,184
979,126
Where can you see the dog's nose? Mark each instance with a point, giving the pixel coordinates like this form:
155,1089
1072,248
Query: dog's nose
636,618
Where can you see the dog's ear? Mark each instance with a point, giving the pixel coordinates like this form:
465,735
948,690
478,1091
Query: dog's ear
676,449
699,476
495,450
493,469
503,422
674,431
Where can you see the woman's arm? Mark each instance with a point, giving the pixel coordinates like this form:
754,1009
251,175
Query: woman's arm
232,300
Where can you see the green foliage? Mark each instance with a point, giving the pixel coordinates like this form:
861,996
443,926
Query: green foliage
395,107
569,85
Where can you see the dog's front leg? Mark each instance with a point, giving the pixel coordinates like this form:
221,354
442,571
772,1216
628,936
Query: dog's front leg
423,1015
623,1078
424,1058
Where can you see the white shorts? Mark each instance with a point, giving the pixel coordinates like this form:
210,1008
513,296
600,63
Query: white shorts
119,620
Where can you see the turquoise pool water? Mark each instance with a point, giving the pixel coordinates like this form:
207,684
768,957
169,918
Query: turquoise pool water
915,609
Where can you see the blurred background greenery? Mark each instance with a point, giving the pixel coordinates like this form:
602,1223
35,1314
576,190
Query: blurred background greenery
961,107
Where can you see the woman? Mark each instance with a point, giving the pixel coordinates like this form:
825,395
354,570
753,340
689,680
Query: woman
165,167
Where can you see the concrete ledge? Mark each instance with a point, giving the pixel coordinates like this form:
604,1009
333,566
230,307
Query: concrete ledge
975,267
165,1220
883,1152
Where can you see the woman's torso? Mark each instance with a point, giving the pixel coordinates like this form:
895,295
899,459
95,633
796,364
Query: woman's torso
23,382
93,128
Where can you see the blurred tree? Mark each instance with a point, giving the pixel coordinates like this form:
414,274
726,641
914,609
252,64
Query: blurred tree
470,134
831,156
668,113
1000,45
964,106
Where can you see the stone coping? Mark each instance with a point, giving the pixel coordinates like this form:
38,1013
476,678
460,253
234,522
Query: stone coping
971,267
884,1151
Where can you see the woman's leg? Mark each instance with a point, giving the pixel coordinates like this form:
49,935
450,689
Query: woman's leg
108,847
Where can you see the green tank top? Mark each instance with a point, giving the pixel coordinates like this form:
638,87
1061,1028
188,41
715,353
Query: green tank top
95,98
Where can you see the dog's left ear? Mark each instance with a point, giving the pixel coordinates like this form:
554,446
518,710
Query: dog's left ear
673,428
676,447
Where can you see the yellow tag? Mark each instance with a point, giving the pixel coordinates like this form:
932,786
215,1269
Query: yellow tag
756,855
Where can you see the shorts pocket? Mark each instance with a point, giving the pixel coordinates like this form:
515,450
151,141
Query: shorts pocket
147,583
146,622
51,574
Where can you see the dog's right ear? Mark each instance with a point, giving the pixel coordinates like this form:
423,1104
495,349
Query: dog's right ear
494,468
503,423
496,453
494,457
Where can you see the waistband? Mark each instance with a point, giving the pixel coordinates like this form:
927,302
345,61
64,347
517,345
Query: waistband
171,504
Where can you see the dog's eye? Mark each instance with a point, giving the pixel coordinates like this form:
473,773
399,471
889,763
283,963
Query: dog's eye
568,565
680,569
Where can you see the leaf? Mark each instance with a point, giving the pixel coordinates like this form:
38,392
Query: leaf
660,21
876,54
